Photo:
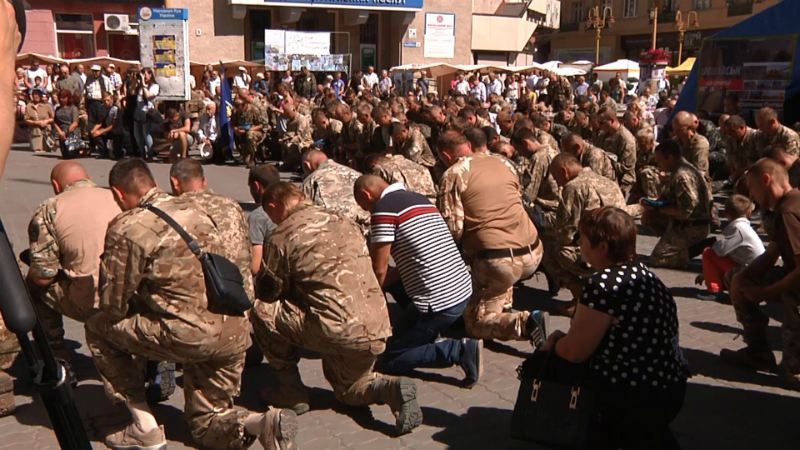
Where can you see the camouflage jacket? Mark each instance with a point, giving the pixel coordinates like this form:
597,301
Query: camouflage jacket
538,186
48,251
687,190
249,115
298,132
416,149
785,137
585,192
598,161
331,135
696,152
415,178
148,269
319,263
331,187
742,154
623,144
231,225
351,133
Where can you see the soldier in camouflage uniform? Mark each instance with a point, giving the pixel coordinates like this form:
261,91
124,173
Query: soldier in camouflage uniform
694,146
540,193
351,131
742,144
479,200
648,175
634,122
249,126
297,138
9,347
153,304
398,169
329,185
589,156
580,126
582,190
620,142
410,143
65,248
317,291
764,281
684,219
327,132
771,132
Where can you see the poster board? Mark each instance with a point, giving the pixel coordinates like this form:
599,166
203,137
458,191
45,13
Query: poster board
756,71
440,35
164,46
274,41
315,63
307,43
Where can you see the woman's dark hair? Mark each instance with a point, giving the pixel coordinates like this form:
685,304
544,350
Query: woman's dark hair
613,226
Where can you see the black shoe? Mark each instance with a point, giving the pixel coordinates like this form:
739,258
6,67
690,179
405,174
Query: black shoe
471,361
160,381
536,328
751,358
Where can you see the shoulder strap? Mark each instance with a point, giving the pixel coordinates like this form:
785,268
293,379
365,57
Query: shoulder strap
193,245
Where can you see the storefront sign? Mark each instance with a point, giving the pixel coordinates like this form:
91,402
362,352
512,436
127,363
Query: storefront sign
440,35
164,46
398,5
756,71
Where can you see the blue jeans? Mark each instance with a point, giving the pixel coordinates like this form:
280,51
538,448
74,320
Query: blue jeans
418,347
144,141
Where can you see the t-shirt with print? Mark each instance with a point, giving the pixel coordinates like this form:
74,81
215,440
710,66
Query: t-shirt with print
640,349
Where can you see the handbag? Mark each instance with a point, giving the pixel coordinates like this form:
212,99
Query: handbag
224,282
554,407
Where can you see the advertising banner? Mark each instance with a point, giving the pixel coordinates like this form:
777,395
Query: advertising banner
747,73
164,46
440,35
308,43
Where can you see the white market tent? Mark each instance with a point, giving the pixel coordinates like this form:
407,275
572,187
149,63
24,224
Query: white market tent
626,67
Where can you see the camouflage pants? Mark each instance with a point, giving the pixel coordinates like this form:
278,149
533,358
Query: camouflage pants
648,182
9,347
565,264
211,379
71,297
248,146
754,321
281,330
672,250
493,281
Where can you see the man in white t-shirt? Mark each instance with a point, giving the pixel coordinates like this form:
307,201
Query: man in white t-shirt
33,72
114,78
370,79
242,80
214,84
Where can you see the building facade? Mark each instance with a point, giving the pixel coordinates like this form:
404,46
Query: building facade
632,30
78,29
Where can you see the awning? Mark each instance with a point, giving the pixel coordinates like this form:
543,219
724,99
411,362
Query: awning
620,65
27,58
122,65
683,69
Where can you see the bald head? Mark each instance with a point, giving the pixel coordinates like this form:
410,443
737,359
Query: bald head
573,144
564,168
368,190
66,173
684,118
187,175
312,159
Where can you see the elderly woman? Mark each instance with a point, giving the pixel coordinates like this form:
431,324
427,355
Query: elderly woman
66,124
626,327
38,117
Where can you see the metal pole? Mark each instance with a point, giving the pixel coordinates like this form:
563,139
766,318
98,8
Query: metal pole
680,46
655,25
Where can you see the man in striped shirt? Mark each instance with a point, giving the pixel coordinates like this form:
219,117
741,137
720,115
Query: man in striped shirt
407,227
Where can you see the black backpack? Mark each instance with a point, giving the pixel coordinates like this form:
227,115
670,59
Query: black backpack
224,282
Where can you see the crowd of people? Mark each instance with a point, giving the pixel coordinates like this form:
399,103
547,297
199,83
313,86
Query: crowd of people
444,201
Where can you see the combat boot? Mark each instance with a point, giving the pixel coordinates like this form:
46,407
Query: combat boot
756,358
7,403
133,437
288,391
401,396
279,429
160,382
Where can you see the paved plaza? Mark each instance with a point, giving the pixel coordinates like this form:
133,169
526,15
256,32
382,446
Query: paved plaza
726,408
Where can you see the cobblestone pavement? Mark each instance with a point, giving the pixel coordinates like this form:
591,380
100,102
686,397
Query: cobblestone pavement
725,408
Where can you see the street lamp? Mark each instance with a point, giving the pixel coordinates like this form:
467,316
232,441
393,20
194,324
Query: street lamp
599,22
691,22
654,16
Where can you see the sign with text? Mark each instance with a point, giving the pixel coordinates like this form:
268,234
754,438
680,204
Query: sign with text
440,35
396,5
164,46
750,72
308,43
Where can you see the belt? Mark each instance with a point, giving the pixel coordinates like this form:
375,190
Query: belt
508,252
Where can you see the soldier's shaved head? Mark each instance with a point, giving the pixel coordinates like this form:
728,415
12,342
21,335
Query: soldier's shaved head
130,179
367,190
768,166
65,173
684,118
279,199
312,159
564,168
187,175
767,182
573,144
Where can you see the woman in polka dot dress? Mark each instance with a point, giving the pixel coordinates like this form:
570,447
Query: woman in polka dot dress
626,327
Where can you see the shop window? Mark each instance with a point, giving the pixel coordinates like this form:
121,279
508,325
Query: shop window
629,8
259,20
75,35
702,4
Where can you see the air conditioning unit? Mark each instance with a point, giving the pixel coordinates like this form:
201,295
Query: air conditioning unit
116,22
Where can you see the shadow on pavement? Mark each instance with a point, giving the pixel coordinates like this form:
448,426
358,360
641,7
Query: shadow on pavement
711,365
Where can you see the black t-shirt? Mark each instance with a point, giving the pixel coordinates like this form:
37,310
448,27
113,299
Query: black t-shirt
787,228
640,349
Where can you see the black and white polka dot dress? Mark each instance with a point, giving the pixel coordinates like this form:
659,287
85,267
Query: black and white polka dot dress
640,350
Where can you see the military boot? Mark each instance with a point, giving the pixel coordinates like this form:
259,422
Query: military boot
7,404
160,383
288,391
401,396
751,357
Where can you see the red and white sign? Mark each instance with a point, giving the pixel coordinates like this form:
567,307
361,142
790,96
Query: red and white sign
440,35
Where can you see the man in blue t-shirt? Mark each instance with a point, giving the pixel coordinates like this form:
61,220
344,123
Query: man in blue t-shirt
407,227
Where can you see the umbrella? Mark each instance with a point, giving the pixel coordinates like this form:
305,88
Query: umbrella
620,65
682,69
569,71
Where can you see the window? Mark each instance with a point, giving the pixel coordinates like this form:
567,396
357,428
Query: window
75,35
740,7
702,4
578,13
629,8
